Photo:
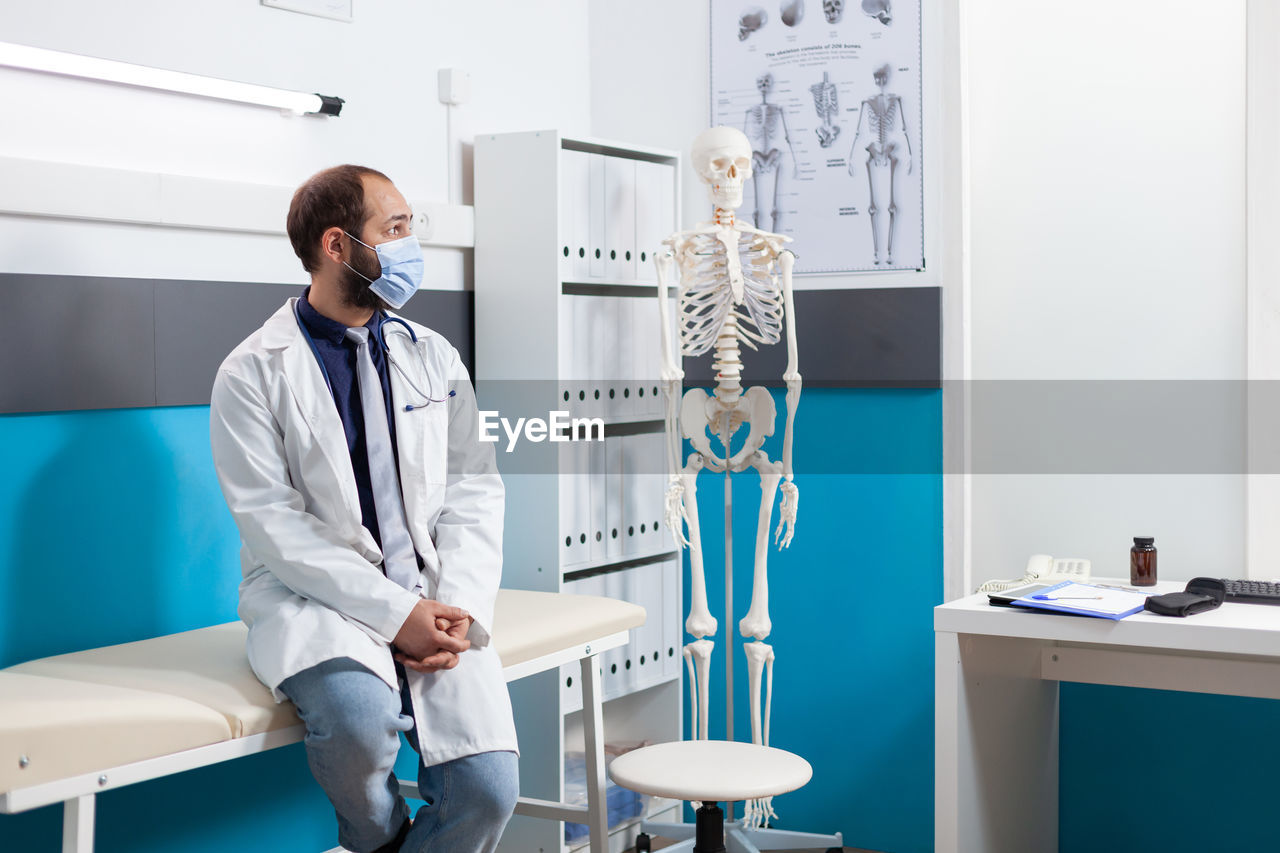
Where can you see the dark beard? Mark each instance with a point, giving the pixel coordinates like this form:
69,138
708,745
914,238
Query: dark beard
355,290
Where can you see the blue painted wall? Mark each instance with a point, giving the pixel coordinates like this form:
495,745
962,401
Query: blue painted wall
1158,770
851,603
112,529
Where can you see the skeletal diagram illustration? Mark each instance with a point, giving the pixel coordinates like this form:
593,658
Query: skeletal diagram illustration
834,10
751,20
882,122
881,10
766,127
828,107
792,12
734,289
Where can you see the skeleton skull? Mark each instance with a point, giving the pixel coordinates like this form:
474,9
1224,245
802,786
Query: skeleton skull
881,10
792,12
834,10
764,83
722,158
751,20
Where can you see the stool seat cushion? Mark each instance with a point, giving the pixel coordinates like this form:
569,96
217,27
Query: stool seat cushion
711,771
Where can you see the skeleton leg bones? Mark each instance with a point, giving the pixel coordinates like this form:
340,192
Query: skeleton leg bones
756,623
759,656
697,655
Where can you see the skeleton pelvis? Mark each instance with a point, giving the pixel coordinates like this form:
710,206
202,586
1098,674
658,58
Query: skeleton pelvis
700,412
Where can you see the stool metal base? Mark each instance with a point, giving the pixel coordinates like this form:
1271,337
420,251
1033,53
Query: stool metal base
738,838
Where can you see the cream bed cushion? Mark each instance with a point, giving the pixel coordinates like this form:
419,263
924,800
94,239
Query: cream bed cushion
66,728
207,666
87,710
528,625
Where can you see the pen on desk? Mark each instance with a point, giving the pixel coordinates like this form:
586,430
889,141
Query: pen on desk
1043,597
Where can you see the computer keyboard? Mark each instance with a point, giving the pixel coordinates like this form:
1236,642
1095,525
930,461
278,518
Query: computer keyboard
1252,592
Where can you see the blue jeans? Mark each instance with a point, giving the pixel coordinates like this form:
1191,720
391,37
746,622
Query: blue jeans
353,721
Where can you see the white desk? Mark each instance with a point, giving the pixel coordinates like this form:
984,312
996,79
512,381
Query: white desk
996,700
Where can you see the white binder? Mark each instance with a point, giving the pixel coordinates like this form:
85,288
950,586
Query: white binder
580,350
632,487
620,218
615,533
576,190
601,320
646,346
571,673
596,258
575,504
652,220
567,358
652,490
598,489
622,369
672,620
617,671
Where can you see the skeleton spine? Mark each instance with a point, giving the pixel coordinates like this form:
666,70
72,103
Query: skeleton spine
727,364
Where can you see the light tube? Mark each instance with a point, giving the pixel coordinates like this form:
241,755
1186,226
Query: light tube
74,65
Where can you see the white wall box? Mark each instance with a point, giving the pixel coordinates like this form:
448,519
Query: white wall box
566,317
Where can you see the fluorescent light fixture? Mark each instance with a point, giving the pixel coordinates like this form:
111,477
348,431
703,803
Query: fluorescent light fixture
92,68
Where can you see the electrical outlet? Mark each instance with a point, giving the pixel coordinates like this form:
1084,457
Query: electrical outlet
455,86
422,226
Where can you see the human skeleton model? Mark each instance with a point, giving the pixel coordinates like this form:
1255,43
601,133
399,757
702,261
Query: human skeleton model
827,104
881,118
881,10
735,288
765,124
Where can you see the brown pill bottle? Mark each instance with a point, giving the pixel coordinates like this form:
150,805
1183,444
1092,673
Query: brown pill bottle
1142,561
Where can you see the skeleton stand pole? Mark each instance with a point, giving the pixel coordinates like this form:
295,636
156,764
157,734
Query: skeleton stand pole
728,593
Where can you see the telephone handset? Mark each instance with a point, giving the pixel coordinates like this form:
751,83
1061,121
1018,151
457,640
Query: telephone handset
1042,568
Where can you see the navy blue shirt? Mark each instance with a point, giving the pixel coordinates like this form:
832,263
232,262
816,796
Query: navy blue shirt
339,358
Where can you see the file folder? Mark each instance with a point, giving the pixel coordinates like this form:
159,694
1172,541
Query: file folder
620,219
596,257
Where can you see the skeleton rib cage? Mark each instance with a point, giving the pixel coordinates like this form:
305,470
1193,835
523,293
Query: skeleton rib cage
882,116
707,301
825,99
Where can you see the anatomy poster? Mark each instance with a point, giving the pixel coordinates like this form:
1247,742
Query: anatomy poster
829,94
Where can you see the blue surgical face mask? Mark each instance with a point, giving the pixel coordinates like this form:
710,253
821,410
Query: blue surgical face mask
402,269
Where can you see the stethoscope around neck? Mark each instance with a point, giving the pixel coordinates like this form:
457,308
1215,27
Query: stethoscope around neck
380,337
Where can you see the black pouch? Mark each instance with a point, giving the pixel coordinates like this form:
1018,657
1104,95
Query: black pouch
1200,595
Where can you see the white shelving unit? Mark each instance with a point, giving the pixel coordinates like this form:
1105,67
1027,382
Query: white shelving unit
566,318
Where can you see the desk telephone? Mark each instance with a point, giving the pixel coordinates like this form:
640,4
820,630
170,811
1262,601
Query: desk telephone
1042,568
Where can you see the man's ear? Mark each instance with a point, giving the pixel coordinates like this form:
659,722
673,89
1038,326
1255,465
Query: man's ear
331,244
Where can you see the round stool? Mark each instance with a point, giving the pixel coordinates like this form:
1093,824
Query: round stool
709,772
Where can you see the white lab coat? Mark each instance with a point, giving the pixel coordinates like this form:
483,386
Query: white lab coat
312,587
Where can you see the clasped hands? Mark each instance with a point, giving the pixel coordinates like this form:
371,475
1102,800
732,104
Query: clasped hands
433,636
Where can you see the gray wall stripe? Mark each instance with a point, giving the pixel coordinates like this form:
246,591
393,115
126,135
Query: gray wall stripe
87,342
866,338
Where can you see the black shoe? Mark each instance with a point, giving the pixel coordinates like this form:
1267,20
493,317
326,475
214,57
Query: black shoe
393,846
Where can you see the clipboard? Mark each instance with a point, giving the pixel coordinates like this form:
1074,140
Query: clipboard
1084,599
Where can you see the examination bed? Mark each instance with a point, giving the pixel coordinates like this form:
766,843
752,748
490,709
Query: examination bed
76,724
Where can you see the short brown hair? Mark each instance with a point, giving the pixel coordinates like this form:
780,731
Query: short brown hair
334,196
